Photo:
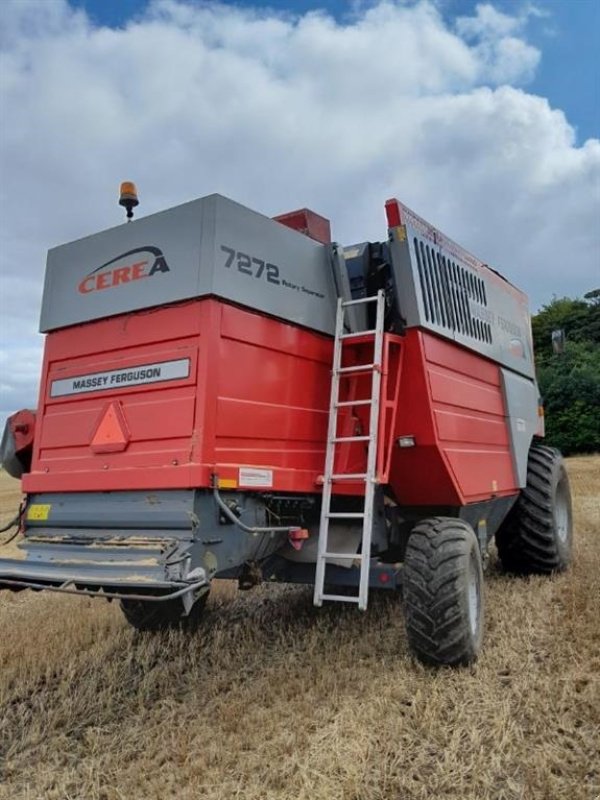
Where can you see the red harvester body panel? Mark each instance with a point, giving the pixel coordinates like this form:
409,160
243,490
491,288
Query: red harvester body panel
256,398
256,395
451,401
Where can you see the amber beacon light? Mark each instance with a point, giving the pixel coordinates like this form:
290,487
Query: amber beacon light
128,198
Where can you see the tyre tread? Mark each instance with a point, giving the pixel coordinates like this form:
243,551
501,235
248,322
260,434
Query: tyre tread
434,566
527,541
160,616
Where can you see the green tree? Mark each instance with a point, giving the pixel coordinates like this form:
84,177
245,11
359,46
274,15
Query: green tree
579,319
570,381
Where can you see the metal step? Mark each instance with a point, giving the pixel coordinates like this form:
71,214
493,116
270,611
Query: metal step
339,439
372,299
357,368
348,403
347,556
340,598
358,334
349,476
345,514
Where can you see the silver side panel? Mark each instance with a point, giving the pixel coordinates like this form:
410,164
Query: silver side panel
211,246
356,315
521,398
442,288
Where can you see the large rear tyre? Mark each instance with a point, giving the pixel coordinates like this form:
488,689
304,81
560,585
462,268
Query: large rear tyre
537,536
443,592
160,616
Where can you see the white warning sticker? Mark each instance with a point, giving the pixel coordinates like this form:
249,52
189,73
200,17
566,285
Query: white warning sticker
255,477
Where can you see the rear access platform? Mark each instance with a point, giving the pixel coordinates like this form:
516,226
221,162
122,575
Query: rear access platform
156,545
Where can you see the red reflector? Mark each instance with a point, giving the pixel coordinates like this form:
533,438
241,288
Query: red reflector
111,434
384,577
392,212
298,534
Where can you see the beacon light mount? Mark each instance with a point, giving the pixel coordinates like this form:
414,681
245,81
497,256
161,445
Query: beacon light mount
128,198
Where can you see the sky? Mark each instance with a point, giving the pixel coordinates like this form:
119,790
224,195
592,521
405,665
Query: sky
483,117
567,32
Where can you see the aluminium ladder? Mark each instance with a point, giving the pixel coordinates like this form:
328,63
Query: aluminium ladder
370,476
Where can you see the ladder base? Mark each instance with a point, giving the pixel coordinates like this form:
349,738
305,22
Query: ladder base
340,598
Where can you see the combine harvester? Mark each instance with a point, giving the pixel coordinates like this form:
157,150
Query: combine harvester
225,395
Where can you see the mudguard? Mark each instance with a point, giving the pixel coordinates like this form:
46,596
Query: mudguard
16,447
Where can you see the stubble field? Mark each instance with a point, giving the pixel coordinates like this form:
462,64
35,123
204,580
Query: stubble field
275,700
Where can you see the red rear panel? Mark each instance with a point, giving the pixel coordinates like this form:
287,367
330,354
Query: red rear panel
451,401
270,402
255,396
169,397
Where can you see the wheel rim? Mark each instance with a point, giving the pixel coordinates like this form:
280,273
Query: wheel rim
474,597
561,513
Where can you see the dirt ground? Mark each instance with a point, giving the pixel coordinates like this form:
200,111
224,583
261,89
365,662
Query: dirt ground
273,699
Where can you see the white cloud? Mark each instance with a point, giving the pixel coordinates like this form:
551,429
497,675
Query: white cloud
502,56
488,22
280,112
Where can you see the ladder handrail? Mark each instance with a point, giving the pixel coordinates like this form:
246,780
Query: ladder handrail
370,475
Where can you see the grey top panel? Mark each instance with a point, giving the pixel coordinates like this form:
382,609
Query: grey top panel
211,246
443,288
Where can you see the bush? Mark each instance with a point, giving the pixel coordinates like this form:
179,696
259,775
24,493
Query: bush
570,385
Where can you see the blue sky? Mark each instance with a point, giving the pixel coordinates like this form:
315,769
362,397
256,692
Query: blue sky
567,32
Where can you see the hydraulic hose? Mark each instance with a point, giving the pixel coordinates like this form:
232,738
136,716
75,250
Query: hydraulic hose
246,528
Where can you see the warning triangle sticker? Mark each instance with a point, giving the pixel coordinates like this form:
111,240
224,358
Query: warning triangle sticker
111,434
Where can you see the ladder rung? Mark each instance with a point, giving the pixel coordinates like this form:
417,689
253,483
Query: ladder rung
372,299
345,515
350,476
340,598
348,403
358,334
358,368
347,556
350,439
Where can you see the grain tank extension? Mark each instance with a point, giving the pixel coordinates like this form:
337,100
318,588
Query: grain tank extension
228,395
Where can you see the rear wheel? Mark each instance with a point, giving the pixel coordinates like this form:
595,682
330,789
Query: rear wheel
160,616
443,592
537,536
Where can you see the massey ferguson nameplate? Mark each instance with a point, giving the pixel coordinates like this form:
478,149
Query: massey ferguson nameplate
122,378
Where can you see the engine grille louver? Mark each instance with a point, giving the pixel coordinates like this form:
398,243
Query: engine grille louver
447,290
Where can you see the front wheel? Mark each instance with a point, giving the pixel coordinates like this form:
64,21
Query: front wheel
159,616
443,592
537,535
